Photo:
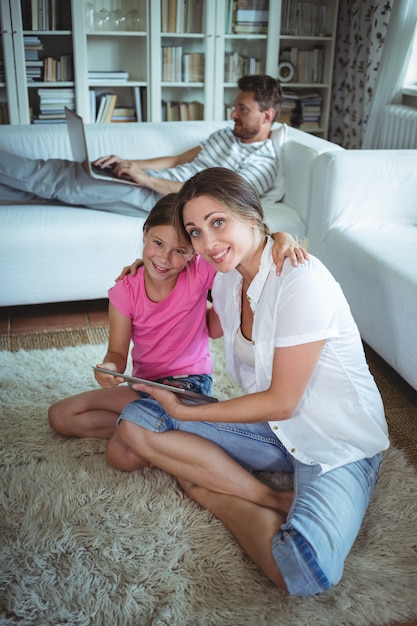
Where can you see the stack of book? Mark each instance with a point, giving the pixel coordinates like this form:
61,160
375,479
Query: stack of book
193,67
34,65
304,19
46,14
172,63
103,107
57,70
181,16
52,103
237,65
248,16
173,111
100,77
287,107
310,67
123,114
311,107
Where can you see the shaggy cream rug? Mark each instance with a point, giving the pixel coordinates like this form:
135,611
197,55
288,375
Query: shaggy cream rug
82,544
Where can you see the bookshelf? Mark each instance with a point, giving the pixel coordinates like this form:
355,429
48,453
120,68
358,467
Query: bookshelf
38,53
163,59
306,57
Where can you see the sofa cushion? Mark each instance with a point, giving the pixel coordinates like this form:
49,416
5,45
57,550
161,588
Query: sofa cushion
52,253
384,299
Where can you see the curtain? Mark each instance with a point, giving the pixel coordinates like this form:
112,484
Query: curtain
362,27
392,68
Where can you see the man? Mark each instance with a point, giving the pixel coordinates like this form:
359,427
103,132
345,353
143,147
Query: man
245,148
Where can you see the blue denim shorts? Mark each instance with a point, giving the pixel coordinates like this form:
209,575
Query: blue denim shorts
327,509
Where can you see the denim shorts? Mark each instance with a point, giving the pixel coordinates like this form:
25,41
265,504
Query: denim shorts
327,509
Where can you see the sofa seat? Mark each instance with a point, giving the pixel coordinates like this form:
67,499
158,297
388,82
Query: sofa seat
378,272
368,223
63,253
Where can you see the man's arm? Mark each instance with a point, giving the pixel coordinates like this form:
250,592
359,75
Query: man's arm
159,163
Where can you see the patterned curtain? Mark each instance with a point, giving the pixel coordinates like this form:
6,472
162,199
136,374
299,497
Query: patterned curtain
361,31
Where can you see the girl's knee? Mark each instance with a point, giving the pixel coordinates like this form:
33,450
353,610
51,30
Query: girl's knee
55,417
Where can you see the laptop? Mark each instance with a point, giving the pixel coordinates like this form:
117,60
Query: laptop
76,132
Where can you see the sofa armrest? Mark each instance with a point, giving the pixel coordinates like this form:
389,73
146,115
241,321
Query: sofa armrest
354,186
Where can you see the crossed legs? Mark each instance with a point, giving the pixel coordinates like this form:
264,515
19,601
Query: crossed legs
252,511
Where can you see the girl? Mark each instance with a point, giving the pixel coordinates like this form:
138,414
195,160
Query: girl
312,407
163,311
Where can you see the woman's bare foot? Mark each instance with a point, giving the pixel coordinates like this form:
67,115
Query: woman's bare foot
252,525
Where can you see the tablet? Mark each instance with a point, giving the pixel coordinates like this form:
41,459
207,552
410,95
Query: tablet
186,396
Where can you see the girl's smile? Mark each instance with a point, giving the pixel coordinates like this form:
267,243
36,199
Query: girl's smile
163,256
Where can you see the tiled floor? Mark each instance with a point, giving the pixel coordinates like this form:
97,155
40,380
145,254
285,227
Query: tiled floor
55,316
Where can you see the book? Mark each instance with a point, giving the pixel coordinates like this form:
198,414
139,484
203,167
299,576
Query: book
138,104
105,109
109,108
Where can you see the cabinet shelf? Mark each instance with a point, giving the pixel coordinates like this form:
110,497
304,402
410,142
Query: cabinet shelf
52,84
116,33
243,37
219,54
47,33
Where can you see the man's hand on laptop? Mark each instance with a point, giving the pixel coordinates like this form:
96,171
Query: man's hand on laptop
122,168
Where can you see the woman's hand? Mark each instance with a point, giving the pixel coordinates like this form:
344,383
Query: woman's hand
130,269
286,246
167,399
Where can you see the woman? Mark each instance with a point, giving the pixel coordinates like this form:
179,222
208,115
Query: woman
312,407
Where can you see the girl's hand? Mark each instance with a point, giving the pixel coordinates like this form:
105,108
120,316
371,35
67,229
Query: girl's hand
107,380
286,246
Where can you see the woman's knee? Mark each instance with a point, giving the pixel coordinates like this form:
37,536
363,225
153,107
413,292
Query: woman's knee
121,453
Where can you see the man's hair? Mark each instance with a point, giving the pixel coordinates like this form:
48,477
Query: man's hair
267,91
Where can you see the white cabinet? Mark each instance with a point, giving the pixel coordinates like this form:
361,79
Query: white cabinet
222,55
113,39
29,37
8,88
169,59
306,56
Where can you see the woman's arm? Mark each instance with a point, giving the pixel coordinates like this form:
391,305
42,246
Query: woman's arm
291,373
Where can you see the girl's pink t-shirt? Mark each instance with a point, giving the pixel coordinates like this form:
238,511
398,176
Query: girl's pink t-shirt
170,338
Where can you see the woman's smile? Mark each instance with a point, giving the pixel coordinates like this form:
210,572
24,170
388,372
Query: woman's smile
219,257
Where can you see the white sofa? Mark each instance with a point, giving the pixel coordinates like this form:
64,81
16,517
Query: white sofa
364,204
55,253
358,210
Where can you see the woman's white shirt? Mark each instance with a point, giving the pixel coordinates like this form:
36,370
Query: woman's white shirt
340,418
